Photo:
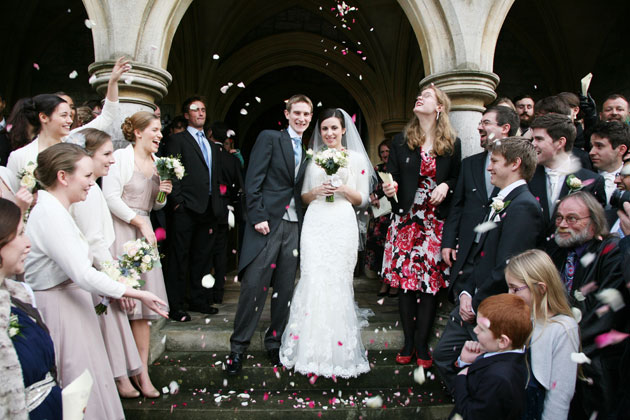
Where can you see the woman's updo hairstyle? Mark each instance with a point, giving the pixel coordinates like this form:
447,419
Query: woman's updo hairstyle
59,157
10,216
94,139
332,112
45,104
138,121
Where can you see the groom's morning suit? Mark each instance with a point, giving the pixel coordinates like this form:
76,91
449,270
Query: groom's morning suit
479,268
273,187
196,206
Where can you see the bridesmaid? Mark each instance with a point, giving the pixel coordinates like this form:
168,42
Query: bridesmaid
27,359
95,221
59,269
23,198
424,162
131,189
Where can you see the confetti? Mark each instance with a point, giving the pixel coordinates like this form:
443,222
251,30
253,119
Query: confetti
578,296
222,189
207,281
243,111
129,80
224,89
374,402
36,66
577,314
9,127
241,85
610,338
296,253
580,358
485,226
215,57
273,265
165,390
418,375
73,74
92,79
587,259
89,23
380,301
173,387
258,99
612,298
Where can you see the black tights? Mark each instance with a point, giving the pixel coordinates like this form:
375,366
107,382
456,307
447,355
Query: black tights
417,313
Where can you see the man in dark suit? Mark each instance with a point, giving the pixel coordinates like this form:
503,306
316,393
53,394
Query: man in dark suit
513,224
195,206
558,173
268,258
473,188
590,262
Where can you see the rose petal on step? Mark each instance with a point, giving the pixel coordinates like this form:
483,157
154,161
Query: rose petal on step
380,301
173,387
374,402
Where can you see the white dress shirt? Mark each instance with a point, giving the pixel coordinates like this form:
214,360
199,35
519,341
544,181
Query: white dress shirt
93,218
610,186
60,252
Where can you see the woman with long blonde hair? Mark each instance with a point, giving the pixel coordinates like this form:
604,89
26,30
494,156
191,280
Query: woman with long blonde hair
532,276
424,161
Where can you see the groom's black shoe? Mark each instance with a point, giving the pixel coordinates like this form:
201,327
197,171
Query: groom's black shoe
235,363
274,356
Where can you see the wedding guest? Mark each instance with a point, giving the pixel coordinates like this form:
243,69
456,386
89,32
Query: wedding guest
27,353
59,269
17,133
23,198
610,141
590,261
533,277
525,107
474,189
513,224
94,219
615,108
424,161
131,190
492,383
52,117
377,229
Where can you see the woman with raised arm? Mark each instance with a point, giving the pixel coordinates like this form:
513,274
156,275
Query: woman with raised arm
131,190
59,269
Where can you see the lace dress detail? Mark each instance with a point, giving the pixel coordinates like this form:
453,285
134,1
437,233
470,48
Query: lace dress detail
323,334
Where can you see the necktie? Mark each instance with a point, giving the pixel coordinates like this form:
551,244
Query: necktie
553,177
569,271
206,155
297,149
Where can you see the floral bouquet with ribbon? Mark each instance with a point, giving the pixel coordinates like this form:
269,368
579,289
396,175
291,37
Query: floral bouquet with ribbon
330,160
28,181
168,168
139,257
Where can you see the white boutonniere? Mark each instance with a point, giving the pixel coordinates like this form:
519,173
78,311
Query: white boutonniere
14,326
498,205
574,183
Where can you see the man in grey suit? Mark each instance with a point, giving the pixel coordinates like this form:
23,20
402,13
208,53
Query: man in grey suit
269,258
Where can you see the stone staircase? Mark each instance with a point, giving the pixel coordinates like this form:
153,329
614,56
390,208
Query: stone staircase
192,355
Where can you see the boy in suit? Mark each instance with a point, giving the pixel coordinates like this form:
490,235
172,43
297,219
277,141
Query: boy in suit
491,384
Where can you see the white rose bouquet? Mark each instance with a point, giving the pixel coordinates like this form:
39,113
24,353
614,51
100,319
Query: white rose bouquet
14,326
126,276
27,176
140,256
330,160
168,168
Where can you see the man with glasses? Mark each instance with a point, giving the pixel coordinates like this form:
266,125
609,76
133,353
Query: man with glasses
589,261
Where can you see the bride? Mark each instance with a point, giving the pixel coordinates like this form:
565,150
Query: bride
323,334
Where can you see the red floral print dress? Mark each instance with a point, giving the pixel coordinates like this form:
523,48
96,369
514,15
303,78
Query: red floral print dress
413,259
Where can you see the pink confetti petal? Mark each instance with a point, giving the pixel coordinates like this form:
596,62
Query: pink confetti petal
222,189
610,338
36,66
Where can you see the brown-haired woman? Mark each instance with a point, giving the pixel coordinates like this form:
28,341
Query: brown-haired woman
424,162
95,221
27,353
131,190
60,271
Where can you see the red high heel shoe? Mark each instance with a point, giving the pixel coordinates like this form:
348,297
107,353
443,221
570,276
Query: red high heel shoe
425,363
405,360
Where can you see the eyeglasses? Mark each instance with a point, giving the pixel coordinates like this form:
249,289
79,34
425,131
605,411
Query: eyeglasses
621,175
571,219
518,289
487,122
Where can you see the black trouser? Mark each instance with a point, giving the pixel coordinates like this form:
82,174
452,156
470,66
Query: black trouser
220,261
191,239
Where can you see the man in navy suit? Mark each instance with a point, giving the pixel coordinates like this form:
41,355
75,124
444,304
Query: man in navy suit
513,224
195,205
473,188
273,187
558,172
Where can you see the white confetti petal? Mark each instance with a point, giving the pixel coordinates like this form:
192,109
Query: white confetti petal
257,99
418,375
587,259
380,301
224,89
128,80
374,402
165,390
241,85
577,314
243,111
215,57
73,74
89,23
580,358
612,298
485,226
296,253
243,395
173,387
163,339
578,296
207,281
92,79
319,104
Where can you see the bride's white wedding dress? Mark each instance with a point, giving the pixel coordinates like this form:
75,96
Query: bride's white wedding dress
323,334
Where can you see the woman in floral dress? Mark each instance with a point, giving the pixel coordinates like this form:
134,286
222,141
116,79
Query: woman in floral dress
424,162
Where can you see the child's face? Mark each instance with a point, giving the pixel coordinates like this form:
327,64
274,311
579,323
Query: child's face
485,337
518,288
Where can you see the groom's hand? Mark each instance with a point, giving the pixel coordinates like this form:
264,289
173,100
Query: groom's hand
262,227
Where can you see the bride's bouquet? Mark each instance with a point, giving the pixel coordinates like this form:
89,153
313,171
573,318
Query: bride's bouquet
139,257
168,168
330,160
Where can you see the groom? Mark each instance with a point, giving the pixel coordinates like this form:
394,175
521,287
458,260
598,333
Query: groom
268,258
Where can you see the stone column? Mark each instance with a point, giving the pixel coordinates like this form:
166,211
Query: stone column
457,40
141,30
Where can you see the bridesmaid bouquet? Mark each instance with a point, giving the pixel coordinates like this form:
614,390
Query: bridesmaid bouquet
27,176
116,272
330,160
168,168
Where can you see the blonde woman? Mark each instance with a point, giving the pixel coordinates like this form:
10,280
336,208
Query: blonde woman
533,277
424,162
